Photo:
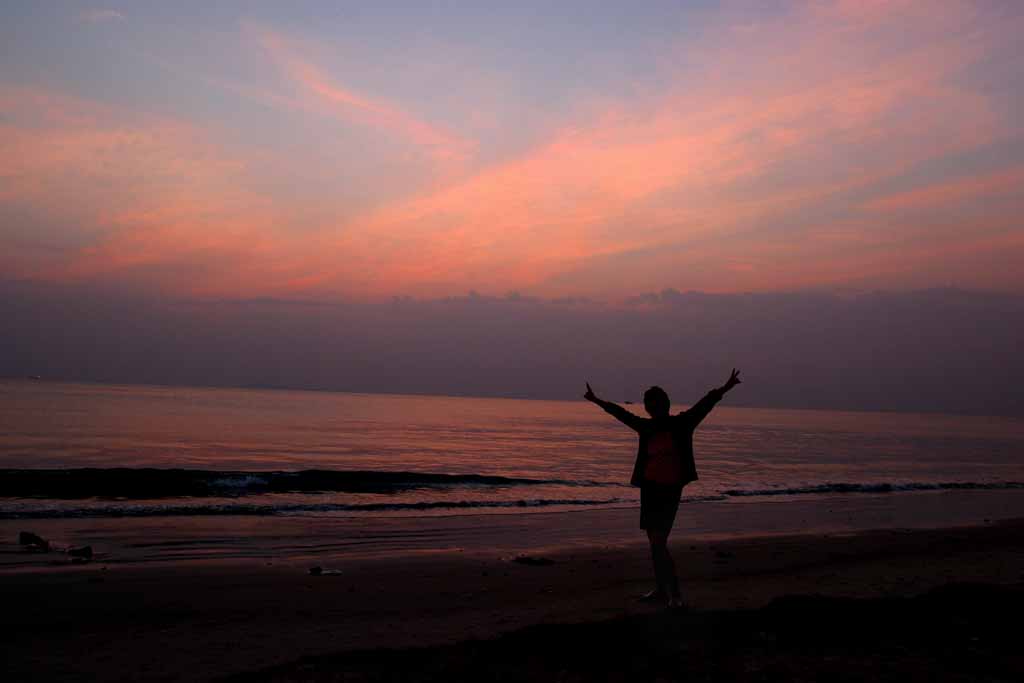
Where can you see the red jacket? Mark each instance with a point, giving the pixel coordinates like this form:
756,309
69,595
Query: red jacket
681,426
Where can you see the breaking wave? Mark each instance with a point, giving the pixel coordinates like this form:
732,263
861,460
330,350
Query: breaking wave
172,510
148,483
873,488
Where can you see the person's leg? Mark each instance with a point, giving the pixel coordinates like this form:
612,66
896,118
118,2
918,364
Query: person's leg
675,598
664,570
657,541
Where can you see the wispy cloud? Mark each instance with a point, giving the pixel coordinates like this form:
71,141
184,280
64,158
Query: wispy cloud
939,195
97,16
697,167
356,107
818,150
151,197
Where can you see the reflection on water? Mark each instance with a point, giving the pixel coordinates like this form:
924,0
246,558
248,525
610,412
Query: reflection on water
575,454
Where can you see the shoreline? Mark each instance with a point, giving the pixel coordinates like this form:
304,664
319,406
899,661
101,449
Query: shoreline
341,539
205,620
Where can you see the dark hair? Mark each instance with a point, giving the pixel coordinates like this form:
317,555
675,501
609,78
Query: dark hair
656,396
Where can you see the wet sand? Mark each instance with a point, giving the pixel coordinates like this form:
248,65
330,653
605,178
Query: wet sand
464,613
348,538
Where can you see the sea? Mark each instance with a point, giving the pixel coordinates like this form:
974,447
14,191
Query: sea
159,472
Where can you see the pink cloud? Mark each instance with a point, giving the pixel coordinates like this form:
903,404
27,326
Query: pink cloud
952,192
355,107
143,192
712,184
645,177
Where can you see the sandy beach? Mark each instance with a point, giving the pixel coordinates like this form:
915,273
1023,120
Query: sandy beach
463,614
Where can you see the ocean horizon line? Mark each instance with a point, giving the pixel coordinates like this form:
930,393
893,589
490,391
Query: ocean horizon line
33,379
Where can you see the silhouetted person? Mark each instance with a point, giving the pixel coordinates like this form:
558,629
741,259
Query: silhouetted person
664,465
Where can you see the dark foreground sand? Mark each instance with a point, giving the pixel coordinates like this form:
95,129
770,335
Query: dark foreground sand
888,605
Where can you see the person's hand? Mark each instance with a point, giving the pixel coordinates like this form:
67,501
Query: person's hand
734,379
590,396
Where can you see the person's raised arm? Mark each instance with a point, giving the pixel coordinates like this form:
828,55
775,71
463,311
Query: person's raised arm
618,412
699,410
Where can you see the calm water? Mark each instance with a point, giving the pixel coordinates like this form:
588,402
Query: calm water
255,452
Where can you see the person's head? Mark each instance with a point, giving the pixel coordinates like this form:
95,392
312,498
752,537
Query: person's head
656,402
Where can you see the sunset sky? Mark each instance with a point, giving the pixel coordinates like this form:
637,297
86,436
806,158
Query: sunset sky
507,199
359,151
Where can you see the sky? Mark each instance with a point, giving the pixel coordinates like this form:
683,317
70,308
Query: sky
308,157
365,150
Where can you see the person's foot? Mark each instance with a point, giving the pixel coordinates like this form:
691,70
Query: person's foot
652,596
676,604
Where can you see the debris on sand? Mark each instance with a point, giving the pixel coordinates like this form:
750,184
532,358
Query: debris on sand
532,561
33,542
320,571
82,553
